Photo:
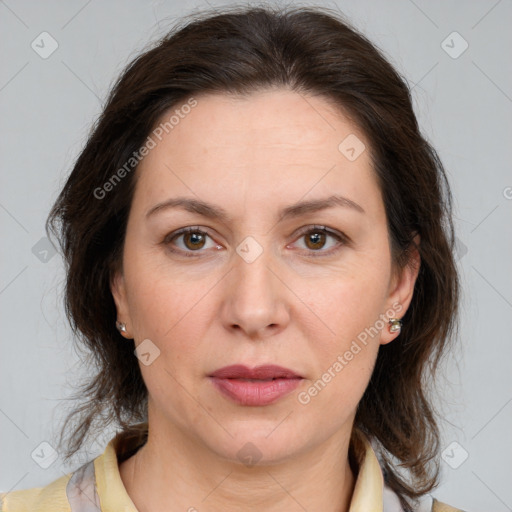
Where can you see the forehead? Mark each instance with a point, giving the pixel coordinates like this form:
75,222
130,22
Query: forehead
264,145
269,118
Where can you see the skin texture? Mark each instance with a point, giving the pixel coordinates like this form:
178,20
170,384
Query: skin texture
299,304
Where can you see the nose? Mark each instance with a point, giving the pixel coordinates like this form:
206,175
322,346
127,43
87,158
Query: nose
255,297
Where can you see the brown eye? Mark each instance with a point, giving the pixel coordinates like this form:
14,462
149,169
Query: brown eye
194,240
315,240
188,241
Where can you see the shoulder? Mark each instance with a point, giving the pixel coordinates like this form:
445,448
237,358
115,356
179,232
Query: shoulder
427,503
438,506
50,498
85,489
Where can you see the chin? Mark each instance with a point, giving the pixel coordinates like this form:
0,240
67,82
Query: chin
259,442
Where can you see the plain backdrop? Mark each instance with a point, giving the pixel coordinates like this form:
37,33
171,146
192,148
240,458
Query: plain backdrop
456,58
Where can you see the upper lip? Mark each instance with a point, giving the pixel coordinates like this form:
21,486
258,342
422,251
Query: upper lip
268,371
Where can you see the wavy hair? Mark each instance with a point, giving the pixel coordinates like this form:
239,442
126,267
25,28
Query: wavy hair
241,50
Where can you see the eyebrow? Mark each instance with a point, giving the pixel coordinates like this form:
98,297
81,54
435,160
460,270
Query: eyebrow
216,212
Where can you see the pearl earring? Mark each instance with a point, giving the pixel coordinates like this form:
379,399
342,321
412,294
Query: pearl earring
395,325
121,327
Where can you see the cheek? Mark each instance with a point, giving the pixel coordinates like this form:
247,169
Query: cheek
342,349
333,398
174,312
344,334
175,318
161,297
345,304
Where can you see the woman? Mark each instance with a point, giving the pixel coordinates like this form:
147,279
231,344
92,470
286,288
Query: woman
258,219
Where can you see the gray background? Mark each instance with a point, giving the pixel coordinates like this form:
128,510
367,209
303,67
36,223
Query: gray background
464,106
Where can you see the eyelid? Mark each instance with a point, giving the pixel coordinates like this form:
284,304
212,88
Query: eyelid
339,236
183,231
320,227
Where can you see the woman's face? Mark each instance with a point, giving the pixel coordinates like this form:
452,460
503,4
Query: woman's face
262,284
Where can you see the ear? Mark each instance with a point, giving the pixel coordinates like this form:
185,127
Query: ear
118,289
401,289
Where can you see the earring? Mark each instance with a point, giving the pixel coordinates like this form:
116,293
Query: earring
121,327
395,325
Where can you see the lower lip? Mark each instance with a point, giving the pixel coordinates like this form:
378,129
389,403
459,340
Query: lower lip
245,392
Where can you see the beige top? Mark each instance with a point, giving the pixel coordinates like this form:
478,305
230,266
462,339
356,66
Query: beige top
97,485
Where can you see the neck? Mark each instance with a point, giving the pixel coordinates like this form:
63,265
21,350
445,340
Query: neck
174,472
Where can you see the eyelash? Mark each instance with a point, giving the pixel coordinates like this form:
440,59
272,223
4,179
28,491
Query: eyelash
340,237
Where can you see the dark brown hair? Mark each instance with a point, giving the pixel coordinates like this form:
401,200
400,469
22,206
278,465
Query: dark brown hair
241,50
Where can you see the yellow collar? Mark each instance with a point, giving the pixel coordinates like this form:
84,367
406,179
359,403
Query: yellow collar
367,493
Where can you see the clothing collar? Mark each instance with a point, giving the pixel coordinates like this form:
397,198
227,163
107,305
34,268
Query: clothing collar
367,495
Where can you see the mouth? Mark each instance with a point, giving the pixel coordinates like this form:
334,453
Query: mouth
259,386
256,380
263,372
